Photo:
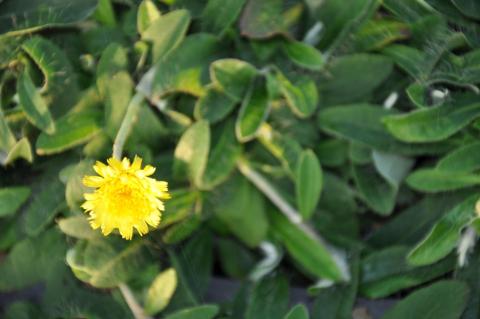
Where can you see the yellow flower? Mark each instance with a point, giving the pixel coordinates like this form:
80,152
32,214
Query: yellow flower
124,197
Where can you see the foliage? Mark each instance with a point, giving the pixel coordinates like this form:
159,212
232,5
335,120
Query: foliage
321,146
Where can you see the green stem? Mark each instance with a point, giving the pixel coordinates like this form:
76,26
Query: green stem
291,213
127,124
137,310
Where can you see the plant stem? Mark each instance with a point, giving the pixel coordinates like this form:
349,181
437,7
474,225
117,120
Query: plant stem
291,213
127,124
137,310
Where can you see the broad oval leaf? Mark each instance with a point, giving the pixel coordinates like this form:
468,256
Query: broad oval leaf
433,124
23,16
233,76
309,252
222,158
242,208
214,105
167,32
269,299
302,97
11,198
204,312
444,236
60,90
46,203
33,104
105,263
219,15
469,8
253,112
191,153
362,123
304,55
442,300
161,291
352,77
77,227
72,130
298,312
464,159
147,14
308,183
436,180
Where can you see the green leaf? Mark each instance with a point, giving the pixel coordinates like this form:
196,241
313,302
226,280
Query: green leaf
47,201
222,158
214,105
362,123
435,180
181,230
105,14
340,19
60,90
21,149
7,139
469,274
253,112
182,69
269,299
442,300
433,124
33,104
386,272
235,259
219,15
105,263
469,8
204,312
233,76
444,236
262,19
306,250
115,86
192,150
11,198
393,168
304,55
337,301
302,96
352,77
71,130
77,227
167,32
378,194
161,291
33,260
308,183
147,14
464,159
298,312
193,269
284,148
410,225
75,189
242,208
179,207
376,34
24,16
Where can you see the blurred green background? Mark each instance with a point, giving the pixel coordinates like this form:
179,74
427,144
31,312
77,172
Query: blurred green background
322,156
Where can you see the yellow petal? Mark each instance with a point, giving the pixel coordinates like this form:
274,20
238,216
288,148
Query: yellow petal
137,163
93,181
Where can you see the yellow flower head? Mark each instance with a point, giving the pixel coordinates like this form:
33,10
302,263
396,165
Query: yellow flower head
124,197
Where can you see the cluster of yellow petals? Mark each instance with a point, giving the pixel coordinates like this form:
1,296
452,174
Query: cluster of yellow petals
125,197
